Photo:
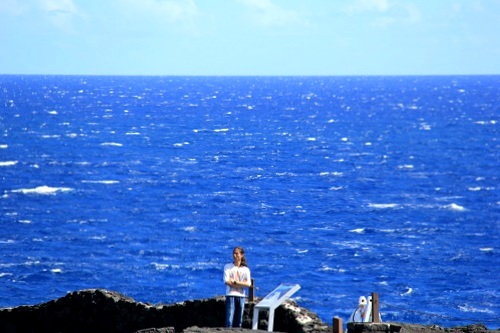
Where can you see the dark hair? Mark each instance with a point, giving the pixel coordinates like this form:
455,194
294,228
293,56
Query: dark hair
243,259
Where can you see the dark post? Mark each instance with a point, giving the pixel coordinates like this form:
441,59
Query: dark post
375,308
337,325
251,292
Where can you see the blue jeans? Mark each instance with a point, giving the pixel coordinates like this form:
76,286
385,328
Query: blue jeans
234,311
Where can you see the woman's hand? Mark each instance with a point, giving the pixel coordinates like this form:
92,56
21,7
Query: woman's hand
231,283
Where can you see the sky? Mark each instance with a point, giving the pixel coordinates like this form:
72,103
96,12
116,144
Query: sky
250,37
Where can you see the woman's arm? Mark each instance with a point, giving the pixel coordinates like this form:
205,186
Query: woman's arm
227,276
246,281
241,284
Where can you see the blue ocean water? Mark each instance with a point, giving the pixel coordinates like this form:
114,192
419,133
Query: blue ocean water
344,185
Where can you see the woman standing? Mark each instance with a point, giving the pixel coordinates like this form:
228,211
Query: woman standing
236,278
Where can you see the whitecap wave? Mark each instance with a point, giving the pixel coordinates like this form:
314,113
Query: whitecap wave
487,249
425,127
162,267
406,166
383,206
455,207
112,144
358,231
407,292
44,190
470,308
325,268
333,173
180,144
99,238
474,189
486,122
8,163
105,182
336,188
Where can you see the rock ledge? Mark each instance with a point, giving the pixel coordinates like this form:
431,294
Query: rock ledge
99,310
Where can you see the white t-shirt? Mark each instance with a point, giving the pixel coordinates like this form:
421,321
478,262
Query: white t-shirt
239,274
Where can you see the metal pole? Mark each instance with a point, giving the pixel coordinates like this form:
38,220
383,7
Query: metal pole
375,308
251,292
337,325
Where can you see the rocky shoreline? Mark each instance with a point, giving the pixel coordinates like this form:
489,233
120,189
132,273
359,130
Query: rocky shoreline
98,310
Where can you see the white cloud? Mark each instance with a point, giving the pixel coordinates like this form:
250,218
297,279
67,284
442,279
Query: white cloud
181,16
58,13
265,13
370,5
378,5
61,13
60,6
385,13
12,7
169,10
403,14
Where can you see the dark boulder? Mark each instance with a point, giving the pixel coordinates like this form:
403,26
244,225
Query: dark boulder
97,310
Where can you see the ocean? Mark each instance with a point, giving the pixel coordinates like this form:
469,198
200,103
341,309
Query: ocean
343,185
